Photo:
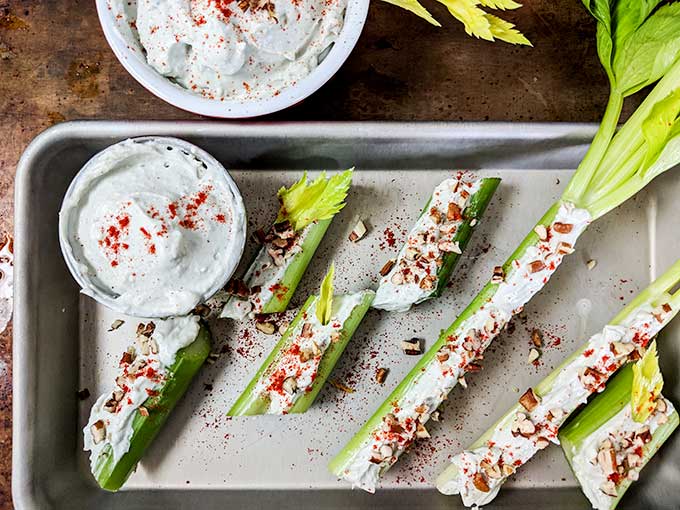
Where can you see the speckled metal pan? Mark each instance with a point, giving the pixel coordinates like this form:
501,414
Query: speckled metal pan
204,460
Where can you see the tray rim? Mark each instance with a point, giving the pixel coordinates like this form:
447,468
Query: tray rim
24,488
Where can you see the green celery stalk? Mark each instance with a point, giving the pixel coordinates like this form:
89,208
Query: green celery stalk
112,475
252,403
598,412
655,294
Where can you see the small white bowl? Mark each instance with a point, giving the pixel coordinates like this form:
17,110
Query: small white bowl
127,49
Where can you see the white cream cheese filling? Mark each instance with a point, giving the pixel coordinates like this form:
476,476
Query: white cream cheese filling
423,242
427,391
170,335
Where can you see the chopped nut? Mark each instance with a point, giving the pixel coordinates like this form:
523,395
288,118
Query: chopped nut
387,267
542,443
305,356
434,416
633,460
609,488
412,253
283,326
127,357
428,282
284,230
116,324
565,248
421,431
315,349
473,367
98,431
238,288
143,411
453,212
386,451
448,228
508,470
473,222
537,338
591,264
621,349
412,347
259,236
375,460
661,406
491,470
644,434
606,459
536,266
449,247
589,377
83,394
276,255
529,400
397,278
358,232
562,228
498,275
666,307
435,215
146,329
462,382
340,386
555,414
335,337
534,354
480,482
381,375
527,428
289,385
541,231
307,330
268,328
442,355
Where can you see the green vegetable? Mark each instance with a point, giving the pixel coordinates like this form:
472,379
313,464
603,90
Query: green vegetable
475,19
112,475
252,401
598,413
647,384
614,168
661,291
304,203
324,306
309,207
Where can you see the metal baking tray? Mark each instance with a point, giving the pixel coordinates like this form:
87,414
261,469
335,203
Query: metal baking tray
201,459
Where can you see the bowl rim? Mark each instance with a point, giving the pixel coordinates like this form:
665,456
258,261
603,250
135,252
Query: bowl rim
163,88
108,299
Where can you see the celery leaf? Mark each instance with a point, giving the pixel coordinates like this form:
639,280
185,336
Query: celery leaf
647,385
324,304
416,8
472,17
506,31
304,202
660,126
500,4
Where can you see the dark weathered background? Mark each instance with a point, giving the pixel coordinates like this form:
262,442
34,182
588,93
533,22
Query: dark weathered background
55,65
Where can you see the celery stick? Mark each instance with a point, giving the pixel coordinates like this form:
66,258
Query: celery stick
255,400
609,413
562,392
112,475
422,264
306,212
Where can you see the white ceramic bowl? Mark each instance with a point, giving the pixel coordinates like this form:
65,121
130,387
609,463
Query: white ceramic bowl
125,45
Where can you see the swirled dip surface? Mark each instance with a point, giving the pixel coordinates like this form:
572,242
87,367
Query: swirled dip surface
152,228
226,49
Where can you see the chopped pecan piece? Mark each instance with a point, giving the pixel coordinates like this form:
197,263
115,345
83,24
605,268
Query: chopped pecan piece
529,400
421,431
606,459
412,347
480,482
358,232
453,213
435,215
534,354
536,266
268,328
449,246
237,287
290,385
387,267
562,228
537,338
98,431
498,275
428,282
541,231
381,375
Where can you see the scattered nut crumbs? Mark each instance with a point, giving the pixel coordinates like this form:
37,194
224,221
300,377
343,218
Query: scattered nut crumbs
116,324
412,347
381,375
534,354
591,264
340,386
83,394
537,337
358,232
268,328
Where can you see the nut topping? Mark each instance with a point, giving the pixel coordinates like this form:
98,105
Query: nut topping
428,282
498,275
508,470
397,278
290,385
268,328
562,228
606,459
609,488
421,431
98,431
307,330
591,264
387,267
480,482
529,400
358,232
412,347
116,324
541,231
661,406
386,451
381,375
534,354
449,247
143,411
238,288
565,248
453,212
536,266
537,338
542,443
621,349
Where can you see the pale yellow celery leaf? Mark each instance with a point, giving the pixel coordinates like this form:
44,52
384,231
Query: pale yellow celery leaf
415,7
324,304
500,4
506,31
472,17
647,385
304,203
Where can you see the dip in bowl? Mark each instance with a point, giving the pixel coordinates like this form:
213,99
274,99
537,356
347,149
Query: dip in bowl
232,58
152,227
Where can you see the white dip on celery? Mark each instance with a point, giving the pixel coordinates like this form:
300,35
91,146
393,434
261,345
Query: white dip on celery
623,436
231,50
520,435
414,276
151,229
295,371
110,423
429,389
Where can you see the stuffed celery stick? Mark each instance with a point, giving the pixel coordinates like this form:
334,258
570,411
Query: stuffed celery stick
154,375
425,263
296,370
306,211
478,472
609,442
615,168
